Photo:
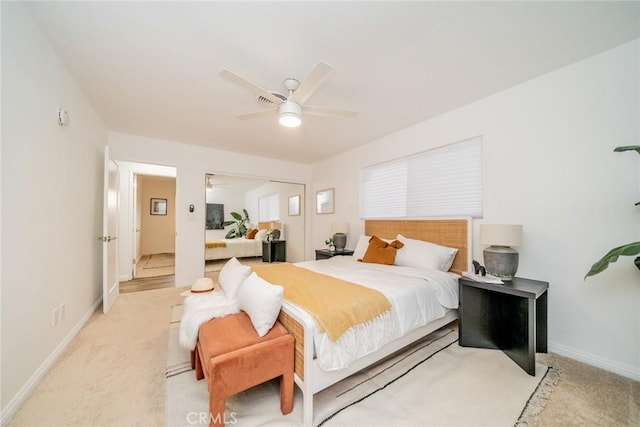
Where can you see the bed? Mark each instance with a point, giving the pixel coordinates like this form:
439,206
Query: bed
310,377
238,248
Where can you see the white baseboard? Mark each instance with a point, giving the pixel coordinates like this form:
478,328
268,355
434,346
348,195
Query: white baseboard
599,362
16,402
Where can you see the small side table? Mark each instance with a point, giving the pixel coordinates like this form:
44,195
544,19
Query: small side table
326,253
511,317
274,251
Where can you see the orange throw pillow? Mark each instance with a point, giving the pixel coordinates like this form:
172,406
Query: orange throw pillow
251,234
381,252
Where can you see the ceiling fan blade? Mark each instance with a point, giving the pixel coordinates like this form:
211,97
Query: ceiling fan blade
313,81
313,110
258,113
241,81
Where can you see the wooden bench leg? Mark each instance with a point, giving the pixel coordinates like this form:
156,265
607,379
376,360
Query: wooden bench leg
198,364
286,393
216,410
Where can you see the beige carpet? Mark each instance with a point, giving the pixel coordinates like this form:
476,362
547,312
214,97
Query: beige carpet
588,396
113,374
434,382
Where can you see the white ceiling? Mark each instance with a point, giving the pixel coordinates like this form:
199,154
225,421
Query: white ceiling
151,68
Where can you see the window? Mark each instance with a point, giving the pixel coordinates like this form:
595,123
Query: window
444,181
270,207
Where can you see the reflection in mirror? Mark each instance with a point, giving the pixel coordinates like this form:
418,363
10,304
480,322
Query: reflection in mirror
265,202
294,205
269,207
324,201
215,216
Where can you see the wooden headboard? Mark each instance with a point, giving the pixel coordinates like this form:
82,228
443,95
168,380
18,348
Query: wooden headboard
265,225
451,232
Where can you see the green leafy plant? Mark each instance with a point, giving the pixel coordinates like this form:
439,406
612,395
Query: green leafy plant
329,241
630,249
240,223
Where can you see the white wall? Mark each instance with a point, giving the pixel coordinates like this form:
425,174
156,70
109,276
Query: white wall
549,165
192,163
52,201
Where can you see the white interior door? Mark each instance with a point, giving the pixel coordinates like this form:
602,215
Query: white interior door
110,286
137,243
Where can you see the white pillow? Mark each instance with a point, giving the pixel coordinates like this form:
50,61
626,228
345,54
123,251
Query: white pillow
231,277
421,254
361,247
261,301
261,234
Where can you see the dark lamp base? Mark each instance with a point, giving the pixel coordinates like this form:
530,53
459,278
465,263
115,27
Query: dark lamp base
501,261
340,240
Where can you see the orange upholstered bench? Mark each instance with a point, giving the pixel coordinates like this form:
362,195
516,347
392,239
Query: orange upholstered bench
232,357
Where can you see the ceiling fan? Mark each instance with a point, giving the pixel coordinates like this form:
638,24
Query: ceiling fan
290,107
213,182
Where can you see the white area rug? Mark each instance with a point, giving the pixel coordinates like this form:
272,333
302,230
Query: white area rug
435,382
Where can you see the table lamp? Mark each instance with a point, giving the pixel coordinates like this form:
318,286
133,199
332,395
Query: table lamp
339,230
275,228
500,259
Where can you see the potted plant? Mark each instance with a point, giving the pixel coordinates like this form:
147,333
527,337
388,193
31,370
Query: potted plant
240,223
630,249
329,242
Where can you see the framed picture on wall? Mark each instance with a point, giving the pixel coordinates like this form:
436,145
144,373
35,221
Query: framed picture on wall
158,207
324,201
294,205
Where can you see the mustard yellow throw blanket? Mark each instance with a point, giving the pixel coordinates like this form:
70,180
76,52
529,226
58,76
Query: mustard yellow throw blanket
215,244
335,304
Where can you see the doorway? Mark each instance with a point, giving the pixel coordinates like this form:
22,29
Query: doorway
155,226
139,184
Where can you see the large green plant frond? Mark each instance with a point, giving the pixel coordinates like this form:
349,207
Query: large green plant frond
240,223
630,249
635,148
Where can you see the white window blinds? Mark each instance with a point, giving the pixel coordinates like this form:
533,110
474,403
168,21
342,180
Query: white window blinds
445,181
269,207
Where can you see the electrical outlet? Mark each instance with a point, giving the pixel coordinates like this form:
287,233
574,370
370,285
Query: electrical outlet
62,311
54,320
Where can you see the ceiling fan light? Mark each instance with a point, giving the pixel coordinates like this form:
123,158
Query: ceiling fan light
290,114
290,120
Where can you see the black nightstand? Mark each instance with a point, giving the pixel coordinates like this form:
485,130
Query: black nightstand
511,317
326,253
274,251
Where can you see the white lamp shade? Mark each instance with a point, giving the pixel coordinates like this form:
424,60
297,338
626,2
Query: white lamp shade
290,114
290,120
275,225
501,234
339,227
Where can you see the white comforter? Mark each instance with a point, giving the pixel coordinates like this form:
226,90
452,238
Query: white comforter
417,297
238,248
